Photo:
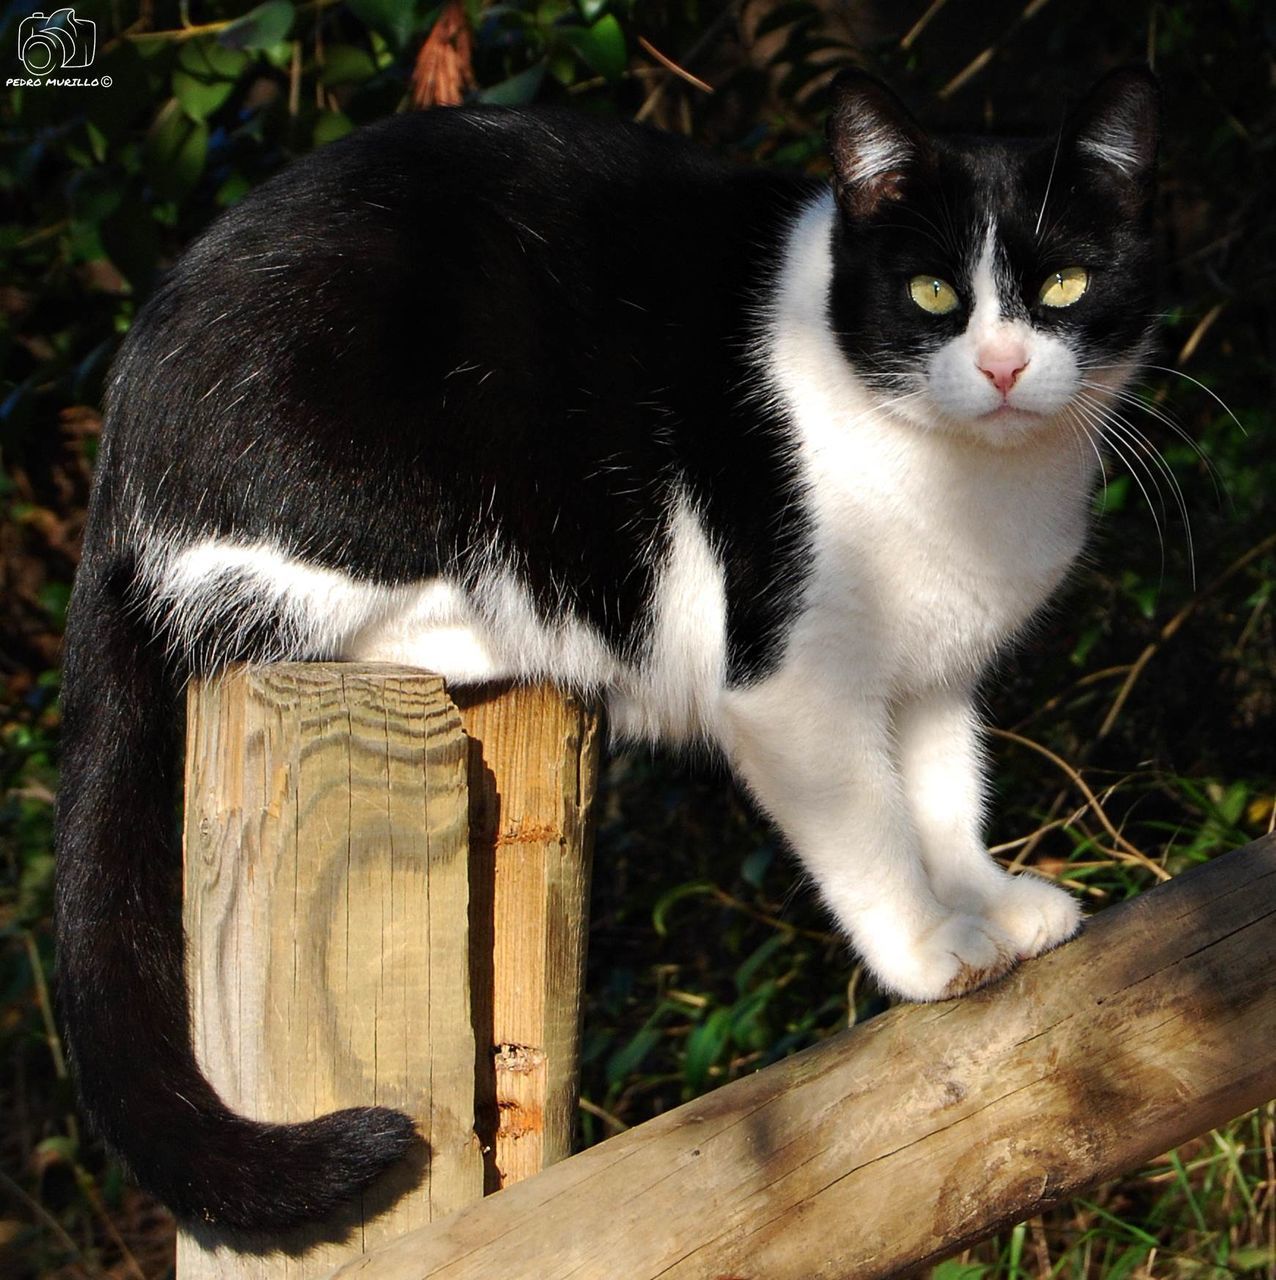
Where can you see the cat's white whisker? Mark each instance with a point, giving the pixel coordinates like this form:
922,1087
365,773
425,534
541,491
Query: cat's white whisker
1209,391
1134,465
1139,440
1054,160
1162,416
1178,373
1074,420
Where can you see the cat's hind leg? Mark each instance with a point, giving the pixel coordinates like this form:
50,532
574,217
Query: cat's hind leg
817,754
941,764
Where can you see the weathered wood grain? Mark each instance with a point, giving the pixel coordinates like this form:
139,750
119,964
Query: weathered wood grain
533,768
927,1128
326,910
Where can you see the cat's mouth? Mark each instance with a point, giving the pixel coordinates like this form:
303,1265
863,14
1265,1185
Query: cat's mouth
1008,410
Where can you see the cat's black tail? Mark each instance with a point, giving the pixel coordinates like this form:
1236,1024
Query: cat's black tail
121,953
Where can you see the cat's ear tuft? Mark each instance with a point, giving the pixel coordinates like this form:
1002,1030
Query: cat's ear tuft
874,144
1118,125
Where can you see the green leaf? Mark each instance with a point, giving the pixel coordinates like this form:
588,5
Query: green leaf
1145,596
1253,1257
753,869
1113,495
1232,803
394,19
629,1057
748,1026
234,189
199,99
627,1060
748,971
260,28
602,46
1085,642
280,55
332,125
97,141
205,76
694,889
208,58
346,64
53,600
518,90
58,1148
956,1270
564,67
704,1047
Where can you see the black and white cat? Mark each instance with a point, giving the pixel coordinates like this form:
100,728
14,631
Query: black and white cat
771,464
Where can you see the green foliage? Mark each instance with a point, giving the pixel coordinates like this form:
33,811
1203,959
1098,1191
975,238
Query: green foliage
1154,681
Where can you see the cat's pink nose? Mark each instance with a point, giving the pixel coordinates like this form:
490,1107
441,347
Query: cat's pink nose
1002,366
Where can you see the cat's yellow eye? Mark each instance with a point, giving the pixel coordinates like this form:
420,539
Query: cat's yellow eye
1063,288
933,295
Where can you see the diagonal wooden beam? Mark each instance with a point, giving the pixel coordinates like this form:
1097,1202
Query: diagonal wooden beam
924,1130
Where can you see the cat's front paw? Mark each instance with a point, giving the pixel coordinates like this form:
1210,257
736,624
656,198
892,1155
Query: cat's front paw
956,955
1035,914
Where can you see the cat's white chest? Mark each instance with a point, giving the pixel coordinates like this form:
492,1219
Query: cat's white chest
935,552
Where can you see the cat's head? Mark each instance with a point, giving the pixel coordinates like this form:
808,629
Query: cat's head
994,287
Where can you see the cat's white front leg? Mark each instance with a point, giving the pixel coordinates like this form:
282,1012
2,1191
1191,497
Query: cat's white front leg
942,767
818,757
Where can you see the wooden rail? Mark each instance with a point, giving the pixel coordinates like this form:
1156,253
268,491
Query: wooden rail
903,1140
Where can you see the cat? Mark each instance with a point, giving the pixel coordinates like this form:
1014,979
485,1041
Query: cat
770,463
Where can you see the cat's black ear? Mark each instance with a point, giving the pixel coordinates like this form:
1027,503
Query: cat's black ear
874,143
1118,126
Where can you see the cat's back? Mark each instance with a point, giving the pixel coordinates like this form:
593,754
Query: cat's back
471,236
424,186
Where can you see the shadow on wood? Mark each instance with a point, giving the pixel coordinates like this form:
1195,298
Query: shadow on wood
926,1129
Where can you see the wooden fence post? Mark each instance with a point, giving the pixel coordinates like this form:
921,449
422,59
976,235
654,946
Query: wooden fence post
342,947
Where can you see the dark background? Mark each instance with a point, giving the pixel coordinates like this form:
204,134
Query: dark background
1153,676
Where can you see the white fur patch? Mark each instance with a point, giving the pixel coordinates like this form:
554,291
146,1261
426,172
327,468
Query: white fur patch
317,609
491,631
878,150
675,690
1114,146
